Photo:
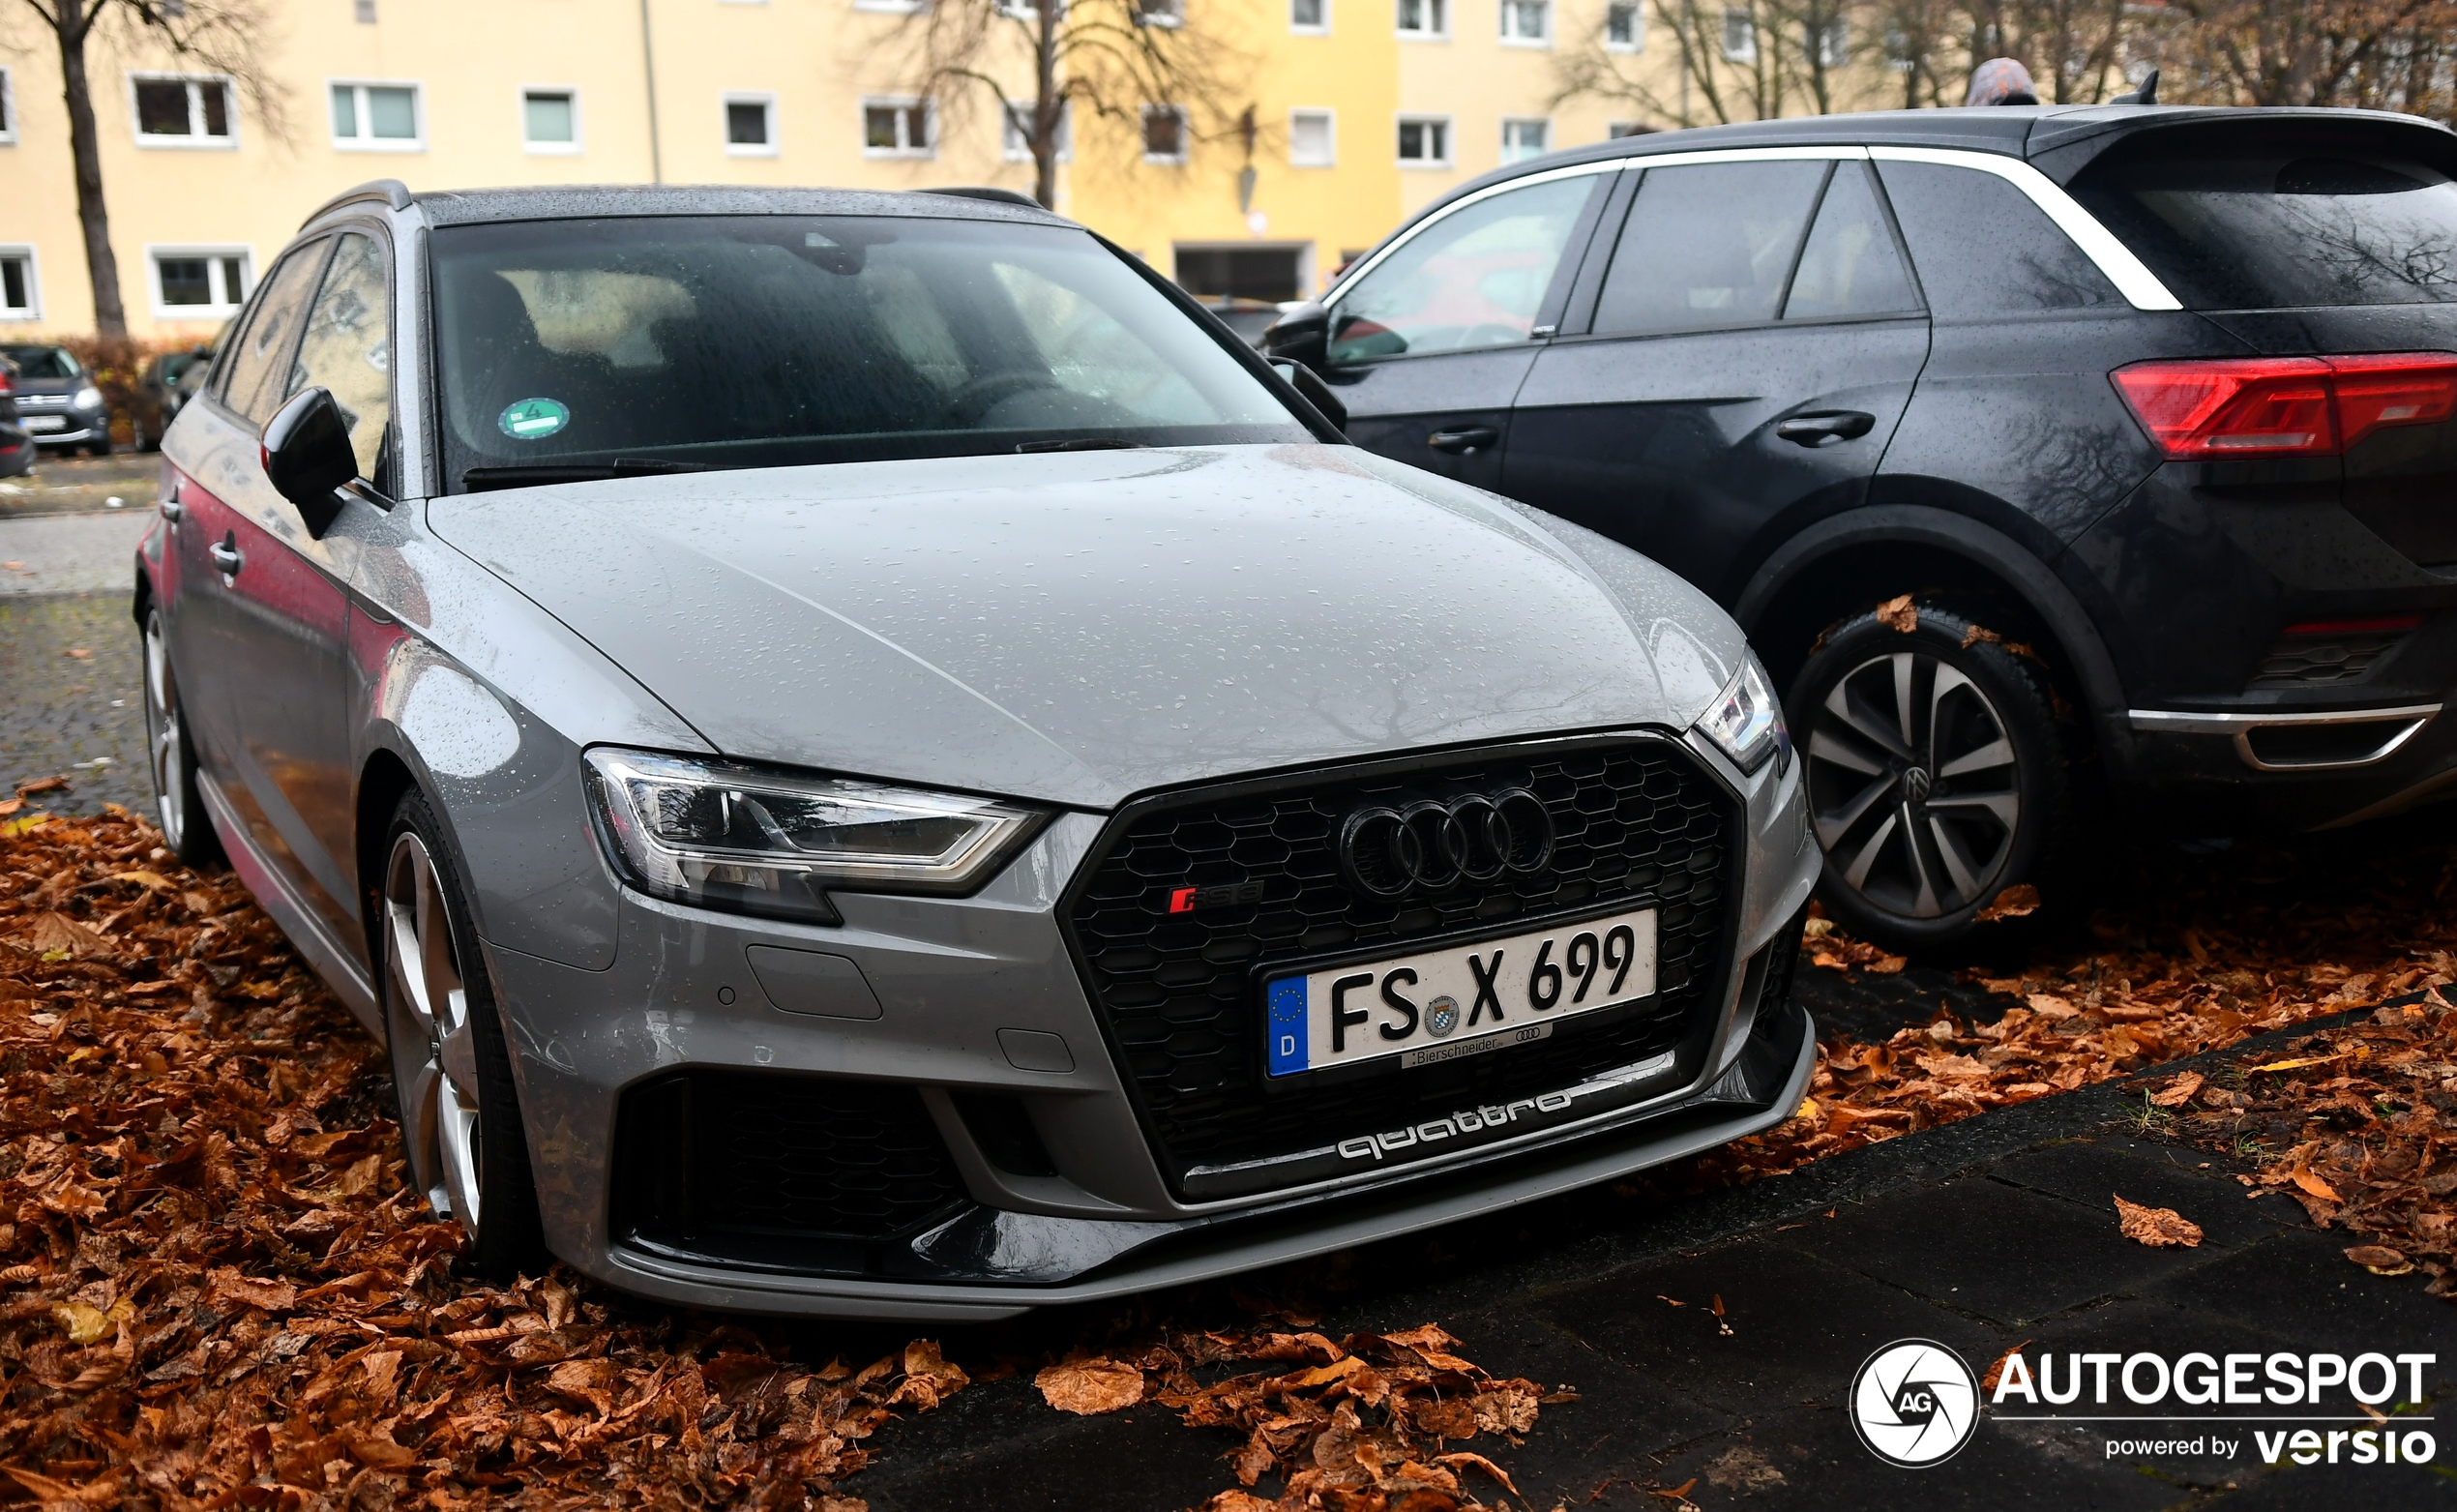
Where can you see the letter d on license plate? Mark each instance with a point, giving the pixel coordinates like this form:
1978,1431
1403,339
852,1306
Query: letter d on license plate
1465,1001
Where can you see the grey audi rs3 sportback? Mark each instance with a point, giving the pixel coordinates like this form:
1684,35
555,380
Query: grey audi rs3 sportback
867,758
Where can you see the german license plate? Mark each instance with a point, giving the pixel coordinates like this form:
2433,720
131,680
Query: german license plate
44,422
1466,1000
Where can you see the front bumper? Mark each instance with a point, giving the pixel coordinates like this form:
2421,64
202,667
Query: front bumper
957,1001
77,426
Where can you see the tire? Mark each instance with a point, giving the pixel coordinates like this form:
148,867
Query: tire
1937,776
101,448
171,751
452,1072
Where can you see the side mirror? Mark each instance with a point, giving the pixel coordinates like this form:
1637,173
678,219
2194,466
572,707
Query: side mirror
306,455
1307,383
1301,336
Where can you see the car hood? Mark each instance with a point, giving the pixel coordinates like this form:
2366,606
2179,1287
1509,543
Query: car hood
1079,627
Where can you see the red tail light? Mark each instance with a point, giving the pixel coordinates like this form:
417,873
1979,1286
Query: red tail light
2285,406
8,385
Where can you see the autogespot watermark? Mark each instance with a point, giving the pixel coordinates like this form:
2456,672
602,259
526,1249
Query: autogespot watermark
1916,1404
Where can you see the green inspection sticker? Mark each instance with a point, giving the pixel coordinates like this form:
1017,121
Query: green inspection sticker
533,418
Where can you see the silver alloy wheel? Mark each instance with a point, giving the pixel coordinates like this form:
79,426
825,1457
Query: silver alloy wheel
434,1050
1914,786
165,737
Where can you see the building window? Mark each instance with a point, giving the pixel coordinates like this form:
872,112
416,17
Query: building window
1524,139
1313,140
8,109
1164,133
181,113
1160,13
889,7
1423,17
198,282
1424,141
1016,141
1624,27
378,117
364,10
897,127
550,120
1740,34
21,295
1526,23
1615,130
1826,45
1312,17
751,126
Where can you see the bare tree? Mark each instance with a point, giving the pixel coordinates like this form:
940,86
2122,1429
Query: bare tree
1731,60
1111,59
217,36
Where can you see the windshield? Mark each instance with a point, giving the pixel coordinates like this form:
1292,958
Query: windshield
2280,227
589,348
42,362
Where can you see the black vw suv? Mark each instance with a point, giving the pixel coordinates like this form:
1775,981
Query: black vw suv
2043,452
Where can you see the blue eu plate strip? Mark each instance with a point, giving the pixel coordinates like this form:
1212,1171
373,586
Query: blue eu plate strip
1286,1000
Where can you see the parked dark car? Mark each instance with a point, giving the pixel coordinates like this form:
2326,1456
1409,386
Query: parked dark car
57,399
17,446
160,392
2146,410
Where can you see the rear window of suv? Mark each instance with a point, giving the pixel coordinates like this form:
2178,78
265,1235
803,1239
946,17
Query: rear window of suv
2279,225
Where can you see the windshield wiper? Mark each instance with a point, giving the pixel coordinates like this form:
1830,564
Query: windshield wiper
1082,443
478,480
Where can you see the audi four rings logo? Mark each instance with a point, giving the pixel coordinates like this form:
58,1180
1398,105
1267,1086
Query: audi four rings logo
1431,843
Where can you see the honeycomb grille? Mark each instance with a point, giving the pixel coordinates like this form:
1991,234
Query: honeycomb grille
1637,822
2318,661
714,1152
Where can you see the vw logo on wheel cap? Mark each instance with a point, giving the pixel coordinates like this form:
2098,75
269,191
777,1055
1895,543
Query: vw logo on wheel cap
1914,1403
1392,850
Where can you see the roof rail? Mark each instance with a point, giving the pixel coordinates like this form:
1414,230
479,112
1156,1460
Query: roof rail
1000,196
391,191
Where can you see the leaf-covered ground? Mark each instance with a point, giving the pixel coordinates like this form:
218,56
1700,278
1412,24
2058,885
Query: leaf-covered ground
214,1291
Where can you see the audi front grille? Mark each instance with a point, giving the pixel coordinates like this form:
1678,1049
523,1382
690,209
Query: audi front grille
1636,821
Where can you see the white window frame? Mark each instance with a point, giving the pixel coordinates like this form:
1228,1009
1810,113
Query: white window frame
1509,39
1331,121
196,140
212,254
1638,26
929,144
540,149
358,107
1185,137
1438,10
33,256
1509,121
1299,28
1829,47
892,6
1171,18
1013,145
1748,51
9,104
1449,140
766,99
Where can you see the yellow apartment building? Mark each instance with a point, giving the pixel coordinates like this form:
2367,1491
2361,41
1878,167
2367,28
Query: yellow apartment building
1338,118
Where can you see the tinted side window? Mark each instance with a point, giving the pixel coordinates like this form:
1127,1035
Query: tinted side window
254,383
1473,279
345,349
1851,266
1983,249
1707,246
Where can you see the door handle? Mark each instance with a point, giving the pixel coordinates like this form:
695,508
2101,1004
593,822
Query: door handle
173,510
1463,441
225,555
1826,428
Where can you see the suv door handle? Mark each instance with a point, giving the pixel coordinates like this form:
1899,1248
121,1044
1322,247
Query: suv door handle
1464,440
1827,427
225,555
172,508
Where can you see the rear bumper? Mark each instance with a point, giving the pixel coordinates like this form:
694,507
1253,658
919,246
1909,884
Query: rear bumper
2292,769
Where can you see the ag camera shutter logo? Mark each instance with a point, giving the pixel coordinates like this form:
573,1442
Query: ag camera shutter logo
1914,1403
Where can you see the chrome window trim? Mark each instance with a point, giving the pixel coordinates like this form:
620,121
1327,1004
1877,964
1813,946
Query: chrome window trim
2141,288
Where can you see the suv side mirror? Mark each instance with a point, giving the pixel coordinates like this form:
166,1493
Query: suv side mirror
306,455
1302,336
1311,387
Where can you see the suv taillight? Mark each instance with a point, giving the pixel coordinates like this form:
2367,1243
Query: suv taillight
2285,406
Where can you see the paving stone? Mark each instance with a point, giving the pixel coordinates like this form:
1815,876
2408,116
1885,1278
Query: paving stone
2299,1287
1009,1450
2153,1173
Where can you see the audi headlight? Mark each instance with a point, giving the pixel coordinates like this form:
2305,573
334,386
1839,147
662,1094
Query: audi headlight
87,397
758,841
1745,722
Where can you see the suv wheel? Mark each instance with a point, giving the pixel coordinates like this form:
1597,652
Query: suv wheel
186,831
452,1076
1936,775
